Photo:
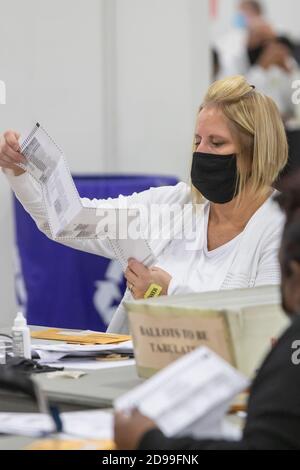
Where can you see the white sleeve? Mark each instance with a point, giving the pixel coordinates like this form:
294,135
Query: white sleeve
269,269
28,192
176,287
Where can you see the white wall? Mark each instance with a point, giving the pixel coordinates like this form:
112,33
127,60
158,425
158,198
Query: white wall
50,55
284,15
117,82
161,76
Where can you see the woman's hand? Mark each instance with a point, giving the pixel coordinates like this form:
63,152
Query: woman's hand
129,430
139,278
9,152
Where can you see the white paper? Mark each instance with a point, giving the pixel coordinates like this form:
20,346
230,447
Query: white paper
67,218
46,164
89,424
83,349
53,353
79,424
49,357
26,424
90,364
194,390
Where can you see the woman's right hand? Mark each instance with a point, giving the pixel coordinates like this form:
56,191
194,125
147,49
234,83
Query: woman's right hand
10,154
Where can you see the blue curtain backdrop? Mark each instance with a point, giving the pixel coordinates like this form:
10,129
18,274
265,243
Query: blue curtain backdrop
62,287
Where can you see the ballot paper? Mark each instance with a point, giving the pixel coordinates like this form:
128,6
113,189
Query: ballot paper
82,424
189,397
67,217
77,356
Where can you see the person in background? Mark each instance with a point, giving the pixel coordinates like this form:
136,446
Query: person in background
239,49
274,72
232,240
259,30
273,420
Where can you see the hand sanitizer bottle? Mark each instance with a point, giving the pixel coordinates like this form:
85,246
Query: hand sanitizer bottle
21,337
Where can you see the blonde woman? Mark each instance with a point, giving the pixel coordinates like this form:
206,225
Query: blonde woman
239,150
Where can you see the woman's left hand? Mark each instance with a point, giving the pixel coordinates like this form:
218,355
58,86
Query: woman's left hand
129,430
139,278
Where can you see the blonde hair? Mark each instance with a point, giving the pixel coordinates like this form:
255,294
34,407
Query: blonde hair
257,130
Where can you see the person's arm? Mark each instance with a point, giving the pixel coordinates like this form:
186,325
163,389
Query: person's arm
156,440
268,268
273,418
29,193
177,287
136,431
273,421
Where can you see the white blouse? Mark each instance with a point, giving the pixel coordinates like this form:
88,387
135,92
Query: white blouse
201,270
251,259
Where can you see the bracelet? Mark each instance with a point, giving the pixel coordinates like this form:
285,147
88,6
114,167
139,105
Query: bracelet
154,290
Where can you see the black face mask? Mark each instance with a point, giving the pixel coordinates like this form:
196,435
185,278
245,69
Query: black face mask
215,176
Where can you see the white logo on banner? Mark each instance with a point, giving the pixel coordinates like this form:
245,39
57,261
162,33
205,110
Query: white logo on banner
21,292
108,292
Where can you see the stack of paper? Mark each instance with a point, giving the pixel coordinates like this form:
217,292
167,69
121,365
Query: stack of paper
81,424
74,356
